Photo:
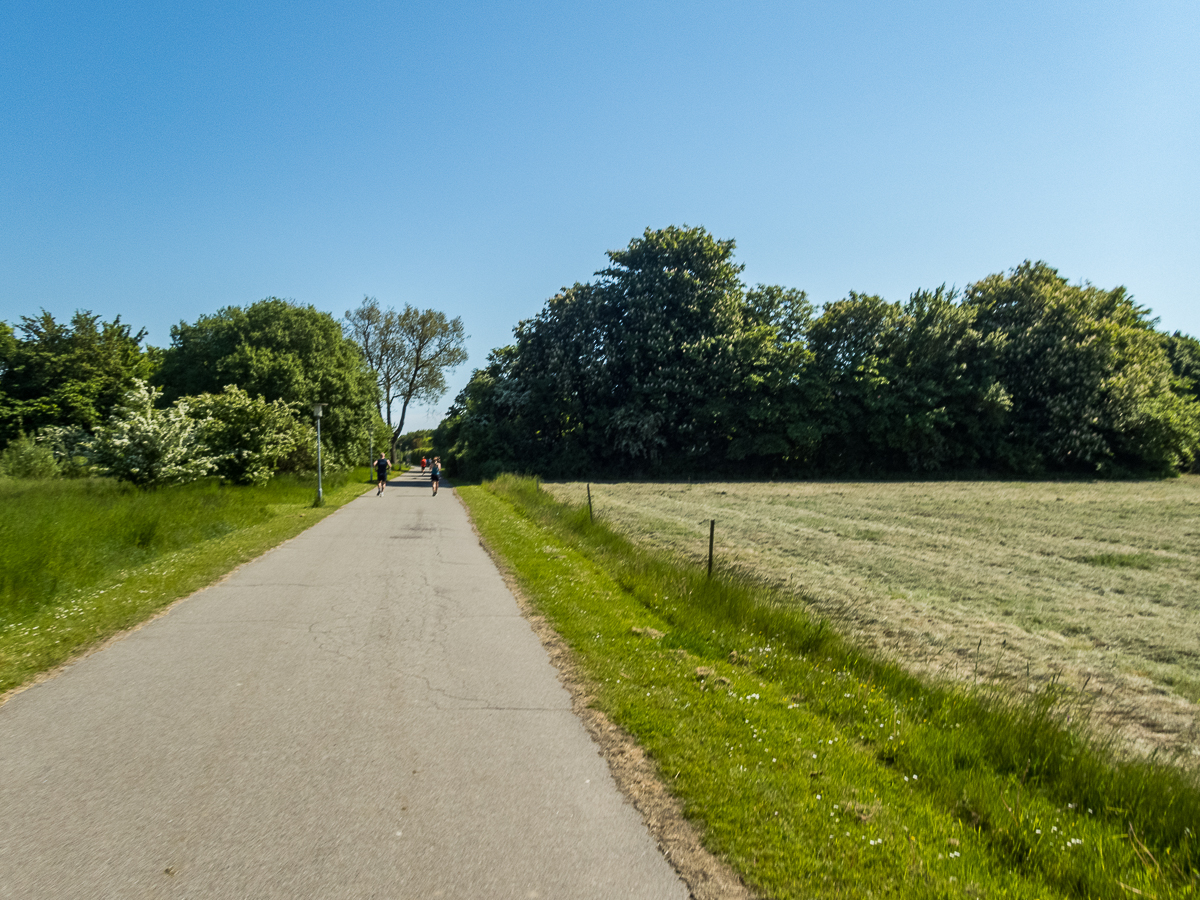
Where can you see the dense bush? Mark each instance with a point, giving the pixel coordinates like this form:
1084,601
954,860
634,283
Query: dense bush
667,363
25,458
147,446
71,448
241,438
248,436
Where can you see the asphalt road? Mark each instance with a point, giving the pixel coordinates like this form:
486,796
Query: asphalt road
360,713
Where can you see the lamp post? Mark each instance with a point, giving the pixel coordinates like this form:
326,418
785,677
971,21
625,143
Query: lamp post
319,408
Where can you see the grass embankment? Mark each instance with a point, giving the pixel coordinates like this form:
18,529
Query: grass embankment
1020,583
80,560
819,771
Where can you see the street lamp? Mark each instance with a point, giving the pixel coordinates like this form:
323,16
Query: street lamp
319,408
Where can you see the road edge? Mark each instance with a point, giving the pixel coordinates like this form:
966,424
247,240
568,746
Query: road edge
706,876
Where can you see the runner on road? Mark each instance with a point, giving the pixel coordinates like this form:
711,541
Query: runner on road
435,473
422,465
382,465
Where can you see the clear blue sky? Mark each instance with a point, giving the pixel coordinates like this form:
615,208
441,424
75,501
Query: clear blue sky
161,160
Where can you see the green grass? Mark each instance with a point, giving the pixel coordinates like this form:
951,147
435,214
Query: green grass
817,770
83,559
1120,560
1092,583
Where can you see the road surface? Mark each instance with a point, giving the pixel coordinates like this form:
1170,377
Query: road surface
360,713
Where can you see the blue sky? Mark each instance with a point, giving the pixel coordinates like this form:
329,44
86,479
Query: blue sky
162,160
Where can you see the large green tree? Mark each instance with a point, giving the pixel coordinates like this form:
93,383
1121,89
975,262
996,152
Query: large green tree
667,362
1184,353
662,346
60,374
670,322
278,350
852,342
907,387
771,416
660,364
1090,381
410,352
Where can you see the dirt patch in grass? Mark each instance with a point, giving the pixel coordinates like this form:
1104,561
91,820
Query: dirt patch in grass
1093,585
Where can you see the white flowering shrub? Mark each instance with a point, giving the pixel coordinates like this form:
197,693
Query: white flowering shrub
247,436
150,446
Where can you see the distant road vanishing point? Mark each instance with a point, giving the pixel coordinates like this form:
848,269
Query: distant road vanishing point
360,713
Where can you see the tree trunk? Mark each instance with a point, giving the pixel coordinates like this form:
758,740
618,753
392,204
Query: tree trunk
399,428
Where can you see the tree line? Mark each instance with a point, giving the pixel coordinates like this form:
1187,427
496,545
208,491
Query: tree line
668,363
232,395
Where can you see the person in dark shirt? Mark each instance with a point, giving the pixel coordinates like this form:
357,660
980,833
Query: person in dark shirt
382,466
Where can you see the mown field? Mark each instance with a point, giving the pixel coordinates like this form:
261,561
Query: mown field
1093,585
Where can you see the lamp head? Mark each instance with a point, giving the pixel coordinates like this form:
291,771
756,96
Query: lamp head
318,408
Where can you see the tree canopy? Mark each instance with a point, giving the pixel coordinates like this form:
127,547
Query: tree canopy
667,362
410,352
278,350
58,374
1090,382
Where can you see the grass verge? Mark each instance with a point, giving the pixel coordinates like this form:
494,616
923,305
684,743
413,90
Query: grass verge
81,560
1089,582
817,770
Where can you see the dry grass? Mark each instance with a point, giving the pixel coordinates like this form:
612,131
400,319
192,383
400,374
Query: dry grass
1096,585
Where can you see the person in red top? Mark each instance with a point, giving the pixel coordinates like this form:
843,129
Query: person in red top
422,465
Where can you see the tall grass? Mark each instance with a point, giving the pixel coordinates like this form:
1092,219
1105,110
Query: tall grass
58,535
1015,775
81,560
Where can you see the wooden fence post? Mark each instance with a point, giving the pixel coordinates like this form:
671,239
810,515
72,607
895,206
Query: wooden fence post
591,515
712,530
